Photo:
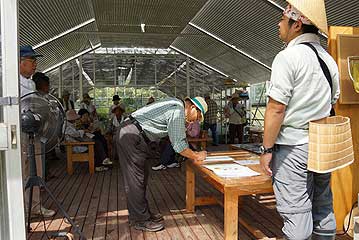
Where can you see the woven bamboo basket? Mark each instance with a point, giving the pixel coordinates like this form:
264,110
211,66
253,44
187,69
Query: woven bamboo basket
330,144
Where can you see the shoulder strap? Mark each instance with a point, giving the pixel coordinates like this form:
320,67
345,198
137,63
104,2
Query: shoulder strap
323,66
325,70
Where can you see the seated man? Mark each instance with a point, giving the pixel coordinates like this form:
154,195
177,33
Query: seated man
75,135
92,126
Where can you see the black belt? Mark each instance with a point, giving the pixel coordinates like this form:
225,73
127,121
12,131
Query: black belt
138,126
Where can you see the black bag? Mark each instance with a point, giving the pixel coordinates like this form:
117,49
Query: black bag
325,69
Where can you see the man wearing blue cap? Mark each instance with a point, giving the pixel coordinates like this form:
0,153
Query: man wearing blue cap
154,121
27,66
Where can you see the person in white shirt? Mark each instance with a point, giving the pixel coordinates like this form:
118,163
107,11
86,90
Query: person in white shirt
236,113
89,106
27,67
116,100
299,92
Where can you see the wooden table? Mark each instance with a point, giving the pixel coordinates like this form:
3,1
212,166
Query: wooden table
232,188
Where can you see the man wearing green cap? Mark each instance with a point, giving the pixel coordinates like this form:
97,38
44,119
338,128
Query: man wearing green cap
301,90
154,121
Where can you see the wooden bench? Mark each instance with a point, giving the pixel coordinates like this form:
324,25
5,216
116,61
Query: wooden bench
72,157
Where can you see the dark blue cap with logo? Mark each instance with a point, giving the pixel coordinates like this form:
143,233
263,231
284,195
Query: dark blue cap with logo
27,51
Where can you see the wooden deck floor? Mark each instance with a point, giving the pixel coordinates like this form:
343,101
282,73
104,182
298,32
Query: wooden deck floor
98,205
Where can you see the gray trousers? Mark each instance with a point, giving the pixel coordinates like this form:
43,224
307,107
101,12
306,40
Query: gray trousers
304,199
133,154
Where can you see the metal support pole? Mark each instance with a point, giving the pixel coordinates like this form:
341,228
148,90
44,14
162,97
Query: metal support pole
73,81
175,78
114,74
188,78
155,72
61,83
94,76
80,79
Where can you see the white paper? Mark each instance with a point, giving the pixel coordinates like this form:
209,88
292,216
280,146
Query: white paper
247,162
231,170
218,159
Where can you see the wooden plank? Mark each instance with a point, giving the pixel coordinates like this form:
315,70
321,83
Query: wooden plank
154,206
190,218
175,211
213,215
125,232
169,220
76,203
54,185
112,216
101,215
60,194
190,188
90,221
68,195
202,201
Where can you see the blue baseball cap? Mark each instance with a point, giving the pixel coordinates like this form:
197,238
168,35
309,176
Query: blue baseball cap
27,51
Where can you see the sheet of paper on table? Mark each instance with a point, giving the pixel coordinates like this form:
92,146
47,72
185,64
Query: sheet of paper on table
218,159
231,170
247,162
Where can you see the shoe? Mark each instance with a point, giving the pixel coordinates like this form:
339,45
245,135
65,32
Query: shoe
107,161
159,167
149,226
173,165
44,212
101,169
156,217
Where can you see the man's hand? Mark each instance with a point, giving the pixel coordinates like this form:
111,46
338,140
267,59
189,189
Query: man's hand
200,156
265,163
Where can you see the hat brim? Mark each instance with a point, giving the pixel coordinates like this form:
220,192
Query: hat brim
31,55
314,11
202,114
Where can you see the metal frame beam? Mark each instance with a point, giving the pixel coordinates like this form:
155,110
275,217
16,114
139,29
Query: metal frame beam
197,60
64,33
231,46
72,58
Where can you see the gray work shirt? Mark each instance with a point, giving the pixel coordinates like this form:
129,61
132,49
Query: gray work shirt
164,118
298,82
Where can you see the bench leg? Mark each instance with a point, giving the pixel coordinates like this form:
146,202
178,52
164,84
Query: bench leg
91,159
190,188
230,215
70,169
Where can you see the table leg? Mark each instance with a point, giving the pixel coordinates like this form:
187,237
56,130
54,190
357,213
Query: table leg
230,215
190,187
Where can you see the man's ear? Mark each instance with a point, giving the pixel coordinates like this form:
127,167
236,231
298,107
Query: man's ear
297,26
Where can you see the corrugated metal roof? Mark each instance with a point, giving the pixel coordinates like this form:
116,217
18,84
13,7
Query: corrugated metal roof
117,24
159,16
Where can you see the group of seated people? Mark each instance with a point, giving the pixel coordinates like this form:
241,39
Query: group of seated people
84,126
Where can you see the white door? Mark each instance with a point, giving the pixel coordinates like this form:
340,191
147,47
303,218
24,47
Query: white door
12,221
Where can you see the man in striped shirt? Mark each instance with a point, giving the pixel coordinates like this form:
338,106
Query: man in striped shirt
154,121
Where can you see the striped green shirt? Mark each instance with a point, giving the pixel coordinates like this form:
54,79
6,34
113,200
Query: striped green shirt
164,118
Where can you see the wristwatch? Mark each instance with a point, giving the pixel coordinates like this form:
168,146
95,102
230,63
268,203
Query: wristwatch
264,150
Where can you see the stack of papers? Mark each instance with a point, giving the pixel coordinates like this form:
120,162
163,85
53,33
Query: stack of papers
231,170
218,159
247,162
